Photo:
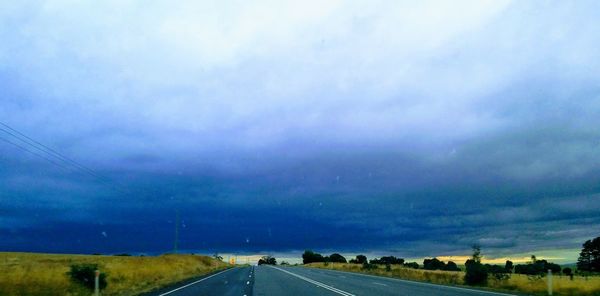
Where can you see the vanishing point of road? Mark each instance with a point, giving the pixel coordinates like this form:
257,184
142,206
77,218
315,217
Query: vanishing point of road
289,281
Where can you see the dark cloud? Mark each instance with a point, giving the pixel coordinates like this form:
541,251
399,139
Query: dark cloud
337,130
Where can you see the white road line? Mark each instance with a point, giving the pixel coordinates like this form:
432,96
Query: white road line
330,288
167,293
376,283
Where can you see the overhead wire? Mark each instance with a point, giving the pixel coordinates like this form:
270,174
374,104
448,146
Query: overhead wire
52,156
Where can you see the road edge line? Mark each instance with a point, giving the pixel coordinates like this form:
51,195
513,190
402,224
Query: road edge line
193,283
414,282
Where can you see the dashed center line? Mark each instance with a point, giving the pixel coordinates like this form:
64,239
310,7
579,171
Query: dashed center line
376,283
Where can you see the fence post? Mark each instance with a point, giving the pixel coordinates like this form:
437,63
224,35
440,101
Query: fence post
549,281
97,283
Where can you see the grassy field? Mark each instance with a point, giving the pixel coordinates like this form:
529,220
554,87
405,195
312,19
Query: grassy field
45,274
562,285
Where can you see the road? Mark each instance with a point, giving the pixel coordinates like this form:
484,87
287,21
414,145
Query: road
230,282
277,280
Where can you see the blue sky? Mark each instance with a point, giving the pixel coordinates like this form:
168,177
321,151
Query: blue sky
415,129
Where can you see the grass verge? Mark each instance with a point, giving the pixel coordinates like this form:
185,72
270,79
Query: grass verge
46,274
562,285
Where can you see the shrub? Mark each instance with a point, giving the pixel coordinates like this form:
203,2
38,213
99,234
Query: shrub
369,266
84,274
476,273
498,272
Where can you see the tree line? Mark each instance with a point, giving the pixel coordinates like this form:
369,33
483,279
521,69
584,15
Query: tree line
476,273
312,257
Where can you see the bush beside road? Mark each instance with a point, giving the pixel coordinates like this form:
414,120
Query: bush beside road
47,274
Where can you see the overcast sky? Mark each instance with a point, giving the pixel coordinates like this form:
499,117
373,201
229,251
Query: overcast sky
383,127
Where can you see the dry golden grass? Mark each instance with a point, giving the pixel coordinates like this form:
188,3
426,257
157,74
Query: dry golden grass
562,285
45,274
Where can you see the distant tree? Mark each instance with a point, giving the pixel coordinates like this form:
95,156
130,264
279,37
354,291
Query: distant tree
589,258
537,267
387,260
569,272
476,253
433,264
335,257
413,265
584,262
451,266
310,257
498,272
284,263
555,268
268,260
218,257
508,267
360,259
476,273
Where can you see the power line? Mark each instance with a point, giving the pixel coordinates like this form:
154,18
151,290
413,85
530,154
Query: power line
52,156
45,149
34,153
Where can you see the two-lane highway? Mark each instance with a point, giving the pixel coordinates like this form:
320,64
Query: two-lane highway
284,281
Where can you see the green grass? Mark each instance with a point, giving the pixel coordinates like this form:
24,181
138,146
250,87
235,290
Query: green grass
46,274
562,285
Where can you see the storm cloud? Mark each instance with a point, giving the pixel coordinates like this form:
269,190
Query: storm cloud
415,129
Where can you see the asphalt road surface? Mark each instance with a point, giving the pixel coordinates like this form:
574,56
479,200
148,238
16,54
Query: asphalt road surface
280,281
230,282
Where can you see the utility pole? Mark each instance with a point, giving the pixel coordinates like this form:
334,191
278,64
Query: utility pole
176,231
